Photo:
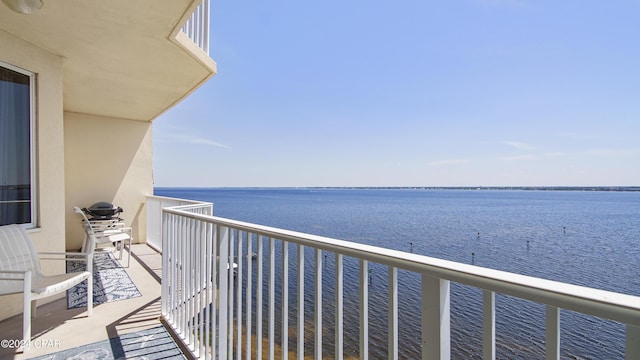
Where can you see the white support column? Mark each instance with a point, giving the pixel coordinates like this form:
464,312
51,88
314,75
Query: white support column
393,313
364,310
339,328
318,306
488,325
436,319
300,321
553,333
633,343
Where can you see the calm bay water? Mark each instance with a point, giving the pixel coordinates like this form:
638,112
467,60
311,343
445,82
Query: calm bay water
578,237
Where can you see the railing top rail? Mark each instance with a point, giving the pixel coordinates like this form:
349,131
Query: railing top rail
190,206
194,202
606,304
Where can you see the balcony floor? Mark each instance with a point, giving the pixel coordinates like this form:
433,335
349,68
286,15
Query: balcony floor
55,328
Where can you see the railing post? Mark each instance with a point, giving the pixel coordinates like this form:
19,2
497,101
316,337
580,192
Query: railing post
553,333
436,319
633,343
488,325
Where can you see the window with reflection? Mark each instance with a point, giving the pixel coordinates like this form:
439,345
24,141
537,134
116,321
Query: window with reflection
16,148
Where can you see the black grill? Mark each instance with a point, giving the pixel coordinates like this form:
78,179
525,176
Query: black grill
103,211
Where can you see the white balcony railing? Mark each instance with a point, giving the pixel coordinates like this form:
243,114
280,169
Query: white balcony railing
215,311
197,27
154,215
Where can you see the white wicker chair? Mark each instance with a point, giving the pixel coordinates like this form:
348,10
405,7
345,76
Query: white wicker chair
20,273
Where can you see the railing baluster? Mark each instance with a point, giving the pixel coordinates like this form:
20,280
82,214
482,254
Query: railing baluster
173,270
189,270
197,26
210,284
318,307
202,288
166,265
632,351
249,295
215,240
238,277
230,291
436,321
272,297
206,25
223,263
339,331
284,343
488,325
364,310
259,300
393,313
182,285
300,305
553,333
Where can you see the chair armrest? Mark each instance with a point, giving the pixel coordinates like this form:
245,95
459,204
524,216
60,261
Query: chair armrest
68,256
16,272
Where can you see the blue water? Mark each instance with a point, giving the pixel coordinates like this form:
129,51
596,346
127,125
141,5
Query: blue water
578,237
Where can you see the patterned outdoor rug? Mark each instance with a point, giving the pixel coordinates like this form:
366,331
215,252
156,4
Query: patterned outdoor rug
110,282
154,343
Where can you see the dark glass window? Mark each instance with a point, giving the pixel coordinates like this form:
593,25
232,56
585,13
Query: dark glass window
15,147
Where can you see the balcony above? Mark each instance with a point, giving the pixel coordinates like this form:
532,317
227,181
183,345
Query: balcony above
121,58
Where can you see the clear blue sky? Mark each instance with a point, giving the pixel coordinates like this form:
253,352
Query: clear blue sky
412,93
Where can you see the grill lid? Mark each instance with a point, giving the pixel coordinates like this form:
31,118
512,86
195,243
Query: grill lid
102,210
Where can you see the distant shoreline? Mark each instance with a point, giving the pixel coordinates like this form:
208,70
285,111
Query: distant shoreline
529,188
477,188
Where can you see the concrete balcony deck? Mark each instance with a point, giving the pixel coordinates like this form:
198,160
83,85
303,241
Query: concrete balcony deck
56,328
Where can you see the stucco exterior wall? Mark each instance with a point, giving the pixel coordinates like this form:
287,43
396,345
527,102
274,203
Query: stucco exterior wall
80,159
107,159
50,232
